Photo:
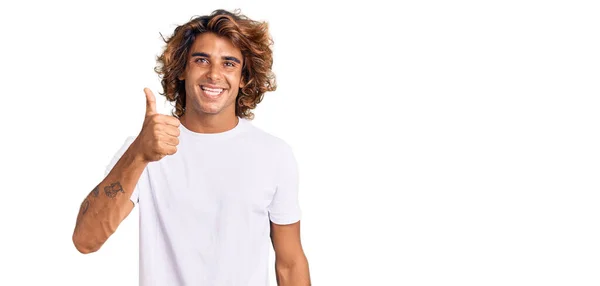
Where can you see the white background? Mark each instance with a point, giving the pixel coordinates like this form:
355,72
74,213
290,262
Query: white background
438,143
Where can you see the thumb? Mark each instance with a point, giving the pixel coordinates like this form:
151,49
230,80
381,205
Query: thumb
150,102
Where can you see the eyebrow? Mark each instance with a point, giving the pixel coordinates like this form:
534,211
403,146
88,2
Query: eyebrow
227,58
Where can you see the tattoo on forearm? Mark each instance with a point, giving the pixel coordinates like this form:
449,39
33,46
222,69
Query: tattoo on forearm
84,206
96,191
112,190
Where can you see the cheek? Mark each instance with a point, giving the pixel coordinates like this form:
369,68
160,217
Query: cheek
194,72
233,93
234,79
189,85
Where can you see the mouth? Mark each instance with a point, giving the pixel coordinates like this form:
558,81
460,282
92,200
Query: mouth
212,92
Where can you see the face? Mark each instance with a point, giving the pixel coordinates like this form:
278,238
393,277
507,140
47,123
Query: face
213,76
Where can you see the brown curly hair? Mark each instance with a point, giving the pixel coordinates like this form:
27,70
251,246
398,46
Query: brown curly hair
251,37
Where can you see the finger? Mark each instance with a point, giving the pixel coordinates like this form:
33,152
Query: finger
150,102
171,130
171,150
170,120
167,149
171,140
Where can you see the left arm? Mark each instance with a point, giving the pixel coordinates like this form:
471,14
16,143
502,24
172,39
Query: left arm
291,265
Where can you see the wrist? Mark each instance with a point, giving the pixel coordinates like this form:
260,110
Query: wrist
136,153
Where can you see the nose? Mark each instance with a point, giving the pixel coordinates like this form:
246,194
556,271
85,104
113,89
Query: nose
214,73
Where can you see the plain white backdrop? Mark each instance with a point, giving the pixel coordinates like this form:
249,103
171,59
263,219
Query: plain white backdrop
438,143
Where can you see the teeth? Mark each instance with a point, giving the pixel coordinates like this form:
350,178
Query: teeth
212,90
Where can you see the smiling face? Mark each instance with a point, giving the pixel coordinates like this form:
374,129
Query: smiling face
213,76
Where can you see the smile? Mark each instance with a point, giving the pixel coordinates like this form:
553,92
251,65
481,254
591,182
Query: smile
211,92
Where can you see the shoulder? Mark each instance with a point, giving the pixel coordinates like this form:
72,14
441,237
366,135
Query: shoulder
268,140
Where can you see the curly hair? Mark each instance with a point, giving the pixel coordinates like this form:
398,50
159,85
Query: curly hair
251,37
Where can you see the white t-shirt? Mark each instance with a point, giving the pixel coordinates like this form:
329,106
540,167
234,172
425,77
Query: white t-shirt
204,211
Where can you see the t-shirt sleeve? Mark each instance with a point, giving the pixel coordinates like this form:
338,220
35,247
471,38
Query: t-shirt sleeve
285,207
135,195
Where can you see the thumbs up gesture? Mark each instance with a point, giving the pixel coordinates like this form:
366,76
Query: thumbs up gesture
159,134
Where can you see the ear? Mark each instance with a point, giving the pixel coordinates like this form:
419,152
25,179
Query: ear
181,76
242,82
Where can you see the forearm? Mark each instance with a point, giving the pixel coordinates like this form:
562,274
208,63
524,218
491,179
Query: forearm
294,274
108,203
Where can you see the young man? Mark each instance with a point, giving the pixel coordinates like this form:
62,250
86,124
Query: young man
210,187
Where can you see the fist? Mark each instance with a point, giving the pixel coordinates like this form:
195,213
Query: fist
159,136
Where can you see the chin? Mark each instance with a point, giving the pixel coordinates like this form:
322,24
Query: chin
211,109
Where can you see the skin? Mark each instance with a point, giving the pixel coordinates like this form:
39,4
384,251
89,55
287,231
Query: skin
291,265
108,204
212,61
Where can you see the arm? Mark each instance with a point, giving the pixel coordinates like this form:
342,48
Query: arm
291,265
107,205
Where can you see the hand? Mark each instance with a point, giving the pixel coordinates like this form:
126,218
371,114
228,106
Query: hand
159,134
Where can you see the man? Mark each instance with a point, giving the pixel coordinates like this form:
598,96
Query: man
210,187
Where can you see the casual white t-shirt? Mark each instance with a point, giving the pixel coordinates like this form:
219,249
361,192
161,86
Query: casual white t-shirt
204,211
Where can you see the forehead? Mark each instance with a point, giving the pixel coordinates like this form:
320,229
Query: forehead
214,45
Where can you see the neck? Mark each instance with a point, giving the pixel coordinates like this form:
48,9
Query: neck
205,123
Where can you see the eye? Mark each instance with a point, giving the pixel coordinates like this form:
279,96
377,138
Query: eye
201,60
230,64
